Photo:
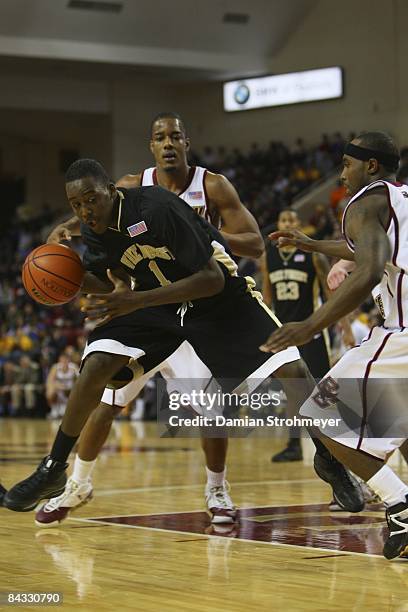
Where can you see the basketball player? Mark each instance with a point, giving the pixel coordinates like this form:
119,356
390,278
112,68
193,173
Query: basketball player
175,257
292,285
375,229
213,197
60,380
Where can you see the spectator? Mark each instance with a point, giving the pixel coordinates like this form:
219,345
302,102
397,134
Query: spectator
25,384
60,380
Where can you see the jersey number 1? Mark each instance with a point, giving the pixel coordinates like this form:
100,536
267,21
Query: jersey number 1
153,267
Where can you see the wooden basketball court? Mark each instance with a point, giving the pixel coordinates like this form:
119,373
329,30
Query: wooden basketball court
145,542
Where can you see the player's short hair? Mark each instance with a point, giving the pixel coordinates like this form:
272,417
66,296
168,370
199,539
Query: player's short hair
82,168
381,142
288,209
168,115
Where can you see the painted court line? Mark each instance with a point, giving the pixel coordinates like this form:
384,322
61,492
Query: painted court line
159,488
195,511
247,540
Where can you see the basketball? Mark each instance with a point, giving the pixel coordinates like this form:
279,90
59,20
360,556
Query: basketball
52,274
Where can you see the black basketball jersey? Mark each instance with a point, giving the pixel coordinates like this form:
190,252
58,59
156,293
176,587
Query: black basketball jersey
294,282
158,239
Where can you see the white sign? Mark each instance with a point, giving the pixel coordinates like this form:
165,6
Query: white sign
291,88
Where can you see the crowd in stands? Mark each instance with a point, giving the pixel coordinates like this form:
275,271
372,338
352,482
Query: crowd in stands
268,179
33,337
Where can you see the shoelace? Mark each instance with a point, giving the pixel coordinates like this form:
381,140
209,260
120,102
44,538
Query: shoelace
221,494
182,311
392,519
70,488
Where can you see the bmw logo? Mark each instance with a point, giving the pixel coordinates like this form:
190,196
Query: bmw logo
241,94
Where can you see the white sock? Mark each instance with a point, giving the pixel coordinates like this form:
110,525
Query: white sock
388,486
215,479
82,470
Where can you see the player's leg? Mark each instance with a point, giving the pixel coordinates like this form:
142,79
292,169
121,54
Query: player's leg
219,503
185,372
231,352
315,355
386,484
298,383
215,451
49,479
132,336
79,487
340,395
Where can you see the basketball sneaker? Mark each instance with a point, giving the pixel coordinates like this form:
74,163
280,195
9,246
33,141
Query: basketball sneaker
347,491
3,491
57,509
293,452
369,496
219,504
397,541
47,481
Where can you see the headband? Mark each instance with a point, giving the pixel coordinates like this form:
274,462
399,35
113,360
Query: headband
386,159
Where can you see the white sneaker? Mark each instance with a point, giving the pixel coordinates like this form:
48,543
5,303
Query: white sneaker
219,504
57,509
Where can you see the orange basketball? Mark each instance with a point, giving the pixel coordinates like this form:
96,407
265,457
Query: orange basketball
52,274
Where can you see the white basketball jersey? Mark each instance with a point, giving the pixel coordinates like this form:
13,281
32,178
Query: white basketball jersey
391,295
194,193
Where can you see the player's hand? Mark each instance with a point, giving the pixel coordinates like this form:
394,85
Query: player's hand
338,273
290,334
348,338
102,307
59,234
293,238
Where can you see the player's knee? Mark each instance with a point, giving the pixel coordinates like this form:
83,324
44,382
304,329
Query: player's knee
294,369
99,368
105,413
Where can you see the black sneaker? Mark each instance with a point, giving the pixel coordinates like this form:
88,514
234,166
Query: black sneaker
47,481
3,491
397,519
347,491
293,452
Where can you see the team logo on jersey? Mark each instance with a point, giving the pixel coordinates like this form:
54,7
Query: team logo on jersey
299,257
137,228
195,195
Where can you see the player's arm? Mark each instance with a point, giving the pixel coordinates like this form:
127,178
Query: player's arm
205,283
182,231
65,231
239,227
322,267
93,283
72,227
331,248
129,181
365,225
266,283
